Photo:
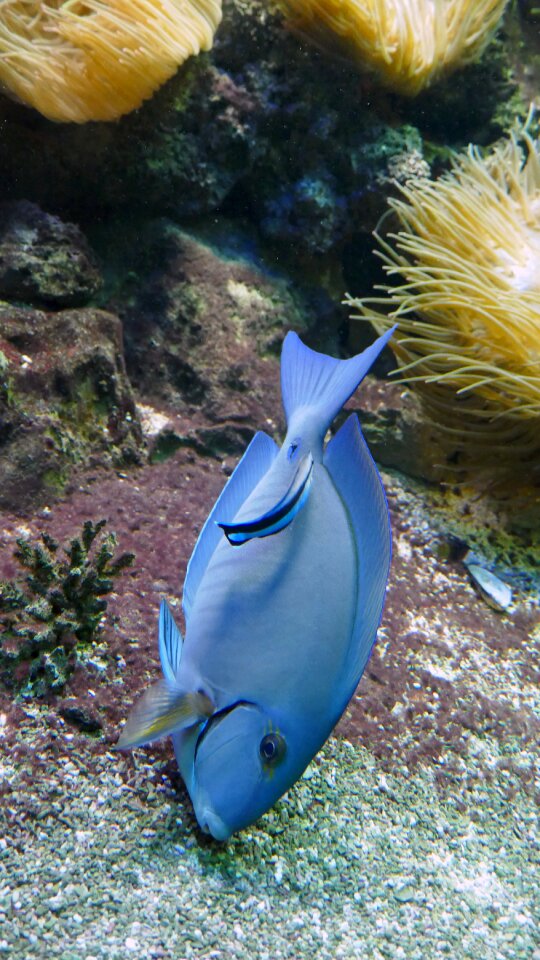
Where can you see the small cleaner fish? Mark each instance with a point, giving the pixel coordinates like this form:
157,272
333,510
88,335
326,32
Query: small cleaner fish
282,599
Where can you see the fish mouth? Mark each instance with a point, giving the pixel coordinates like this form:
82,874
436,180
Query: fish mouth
214,825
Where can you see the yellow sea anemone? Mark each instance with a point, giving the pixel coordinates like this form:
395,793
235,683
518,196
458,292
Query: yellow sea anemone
98,59
408,43
467,302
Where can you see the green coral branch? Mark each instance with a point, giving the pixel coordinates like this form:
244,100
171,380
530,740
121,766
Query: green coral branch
57,607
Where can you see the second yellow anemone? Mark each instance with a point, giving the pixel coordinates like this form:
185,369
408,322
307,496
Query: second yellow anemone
98,59
464,287
407,43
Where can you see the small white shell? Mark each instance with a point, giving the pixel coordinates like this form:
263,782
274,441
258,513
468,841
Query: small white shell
494,591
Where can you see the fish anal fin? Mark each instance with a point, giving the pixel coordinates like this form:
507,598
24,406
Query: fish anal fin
162,710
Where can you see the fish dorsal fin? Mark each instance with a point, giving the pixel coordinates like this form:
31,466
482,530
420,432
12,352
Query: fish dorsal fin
256,461
164,709
351,466
280,515
170,643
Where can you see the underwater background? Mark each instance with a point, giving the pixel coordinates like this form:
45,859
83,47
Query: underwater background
175,197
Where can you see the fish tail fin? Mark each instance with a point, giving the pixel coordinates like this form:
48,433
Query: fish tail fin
318,384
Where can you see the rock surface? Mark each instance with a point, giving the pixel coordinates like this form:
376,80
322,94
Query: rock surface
203,334
43,260
398,433
64,399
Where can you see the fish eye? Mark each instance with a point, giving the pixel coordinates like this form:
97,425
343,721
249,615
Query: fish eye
272,748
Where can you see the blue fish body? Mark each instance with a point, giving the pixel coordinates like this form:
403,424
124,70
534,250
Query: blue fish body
282,600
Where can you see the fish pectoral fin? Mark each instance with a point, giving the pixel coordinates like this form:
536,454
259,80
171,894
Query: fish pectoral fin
162,710
280,515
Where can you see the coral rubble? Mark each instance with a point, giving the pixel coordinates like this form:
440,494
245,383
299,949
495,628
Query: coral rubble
59,604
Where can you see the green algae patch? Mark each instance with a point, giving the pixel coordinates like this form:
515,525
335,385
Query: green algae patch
54,481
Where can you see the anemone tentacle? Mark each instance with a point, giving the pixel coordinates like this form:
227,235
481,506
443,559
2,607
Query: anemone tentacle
468,306
79,60
407,43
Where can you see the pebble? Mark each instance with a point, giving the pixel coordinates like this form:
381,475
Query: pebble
494,591
404,894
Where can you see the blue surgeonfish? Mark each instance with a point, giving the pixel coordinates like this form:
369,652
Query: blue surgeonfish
282,599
